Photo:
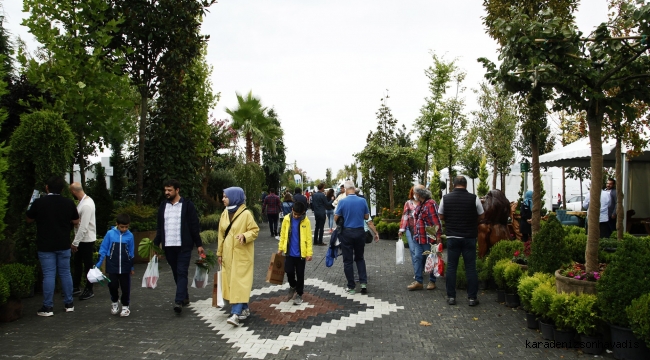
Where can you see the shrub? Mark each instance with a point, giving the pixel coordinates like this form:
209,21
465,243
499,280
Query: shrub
4,289
499,272
461,274
527,284
625,279
504,249
606,250
541,300
559,310
21,279
209,236
511,274
576,244
548,250
574,230
583,315
210,222
143,217
639,314
482,269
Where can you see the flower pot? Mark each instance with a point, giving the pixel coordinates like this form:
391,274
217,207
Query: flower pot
482,285
626,345
572,286
547,330
12,310
512,300
501,295
592,345
564,338
531,321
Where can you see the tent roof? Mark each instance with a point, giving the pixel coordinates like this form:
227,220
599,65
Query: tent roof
578,154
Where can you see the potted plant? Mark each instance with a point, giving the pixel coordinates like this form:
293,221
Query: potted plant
559,312
575,279
520,258
203,265
525,288
639,314
548,249
483,274
21,279
391,216
143,224
541,305
584,318
502,250
499,279
511,274
624,280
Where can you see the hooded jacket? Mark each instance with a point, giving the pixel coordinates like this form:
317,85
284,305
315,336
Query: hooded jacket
119,250
305,236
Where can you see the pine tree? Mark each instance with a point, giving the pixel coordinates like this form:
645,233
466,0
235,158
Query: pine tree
483,186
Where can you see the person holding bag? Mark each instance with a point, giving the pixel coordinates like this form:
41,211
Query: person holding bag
236,253
296,244
425,215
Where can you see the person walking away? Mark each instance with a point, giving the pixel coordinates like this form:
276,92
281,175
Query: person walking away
118,248
54,216
296,244
236,253
526,212
319,207
330,208
340,197
271,207
354,211
83,245
287,204
298,196
177,233
605,198
461,212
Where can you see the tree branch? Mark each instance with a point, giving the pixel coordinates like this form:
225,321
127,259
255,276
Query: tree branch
619,67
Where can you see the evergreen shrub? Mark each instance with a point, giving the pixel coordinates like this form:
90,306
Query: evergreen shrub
639,314
548,249
21,279
504,249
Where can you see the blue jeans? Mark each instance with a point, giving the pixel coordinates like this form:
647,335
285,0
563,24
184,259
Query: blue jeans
330,218
179,261
455,248
416,257
51,263
353,243
238,308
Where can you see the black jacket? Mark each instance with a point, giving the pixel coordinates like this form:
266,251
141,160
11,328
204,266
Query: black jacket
319,203
190,227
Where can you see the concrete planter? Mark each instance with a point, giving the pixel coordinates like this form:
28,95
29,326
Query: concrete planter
573,286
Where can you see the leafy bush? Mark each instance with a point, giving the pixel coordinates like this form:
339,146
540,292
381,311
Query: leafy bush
548,250
625,279
583,315
461,274
576,244
606,249
541,300
482,269
143,217
387,228
499,273
639,314
511,274
209,236
559,311
574,230
97,190
504,249
21,279
256,210
210,222
527,284
4,290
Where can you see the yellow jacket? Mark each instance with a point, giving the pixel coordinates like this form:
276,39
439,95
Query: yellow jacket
237,259
305,237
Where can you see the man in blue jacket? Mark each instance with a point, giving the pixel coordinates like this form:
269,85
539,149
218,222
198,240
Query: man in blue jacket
177,233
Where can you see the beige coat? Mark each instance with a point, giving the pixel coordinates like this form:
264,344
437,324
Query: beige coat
236,258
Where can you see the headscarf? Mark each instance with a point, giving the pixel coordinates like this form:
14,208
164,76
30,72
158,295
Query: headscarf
528,199
236,198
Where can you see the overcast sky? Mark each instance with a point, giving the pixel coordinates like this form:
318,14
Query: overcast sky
325,65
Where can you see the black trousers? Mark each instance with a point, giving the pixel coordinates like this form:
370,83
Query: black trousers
295,269
120,281
273,224
320,228
83,257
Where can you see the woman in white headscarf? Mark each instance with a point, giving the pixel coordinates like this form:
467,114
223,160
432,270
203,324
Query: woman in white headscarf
236,253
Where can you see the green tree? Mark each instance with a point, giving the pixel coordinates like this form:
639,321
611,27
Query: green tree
483,186
471,155
3,149
328,177
97,189
274,162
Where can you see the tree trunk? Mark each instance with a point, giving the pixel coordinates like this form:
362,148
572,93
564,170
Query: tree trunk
494,175
249,148
594,120
620,212
71,173
141,134
425,176
256,153
82,171
473,187
537,187
564,188
503,183
451,175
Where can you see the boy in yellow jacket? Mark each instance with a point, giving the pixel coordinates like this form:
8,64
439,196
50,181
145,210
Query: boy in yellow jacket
296,244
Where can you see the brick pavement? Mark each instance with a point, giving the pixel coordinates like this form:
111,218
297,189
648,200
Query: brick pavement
381,325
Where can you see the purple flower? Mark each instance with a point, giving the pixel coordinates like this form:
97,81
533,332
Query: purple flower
577,277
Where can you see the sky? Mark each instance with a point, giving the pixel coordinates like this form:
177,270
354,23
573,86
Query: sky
324,66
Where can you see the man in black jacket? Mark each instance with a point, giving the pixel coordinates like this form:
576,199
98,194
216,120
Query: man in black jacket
177,233
318,203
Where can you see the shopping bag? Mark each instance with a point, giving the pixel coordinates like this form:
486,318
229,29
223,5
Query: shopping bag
200,280
150,278
439,269
399,252
95,276
217,294
275,274
431,263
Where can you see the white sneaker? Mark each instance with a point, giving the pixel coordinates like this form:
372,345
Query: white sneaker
245,314
115,308
233,320
125,311
297,300
277,238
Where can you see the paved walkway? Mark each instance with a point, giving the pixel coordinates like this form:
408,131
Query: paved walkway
384,324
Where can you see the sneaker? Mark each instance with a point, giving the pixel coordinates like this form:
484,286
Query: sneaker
125,311
69,307
75,292
45,311
277,238
245,314
186,302
87,294
451,301
431,285
350,291
178,307
233,320
415,286
297,300
115,308
364,288
291,293
473,302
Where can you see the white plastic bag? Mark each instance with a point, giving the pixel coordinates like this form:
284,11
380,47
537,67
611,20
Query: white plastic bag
220,302
150,278
430,264
200,280
399,252
95,276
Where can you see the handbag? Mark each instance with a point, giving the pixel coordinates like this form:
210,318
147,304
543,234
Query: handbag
369,237
399,252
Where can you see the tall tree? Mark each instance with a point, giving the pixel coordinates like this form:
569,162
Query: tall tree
471,155
274,162
328,176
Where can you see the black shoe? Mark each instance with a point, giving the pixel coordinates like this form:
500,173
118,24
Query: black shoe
69,307
45,311
473,302
451,301
178,307
75,292
87,294
186,302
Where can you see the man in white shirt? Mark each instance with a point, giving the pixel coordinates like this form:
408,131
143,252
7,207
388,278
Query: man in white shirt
83,245
605,229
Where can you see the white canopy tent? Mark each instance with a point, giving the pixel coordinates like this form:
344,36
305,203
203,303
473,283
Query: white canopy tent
636,170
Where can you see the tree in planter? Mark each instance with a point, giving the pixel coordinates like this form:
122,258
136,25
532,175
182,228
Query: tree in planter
498,272
548,249
511,274
639,314
541,301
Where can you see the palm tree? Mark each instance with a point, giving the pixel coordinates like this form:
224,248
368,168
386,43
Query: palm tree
247,120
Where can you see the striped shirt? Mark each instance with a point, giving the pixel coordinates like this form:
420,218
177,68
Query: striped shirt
173,224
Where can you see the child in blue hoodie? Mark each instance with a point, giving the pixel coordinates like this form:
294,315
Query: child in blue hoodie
118,249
